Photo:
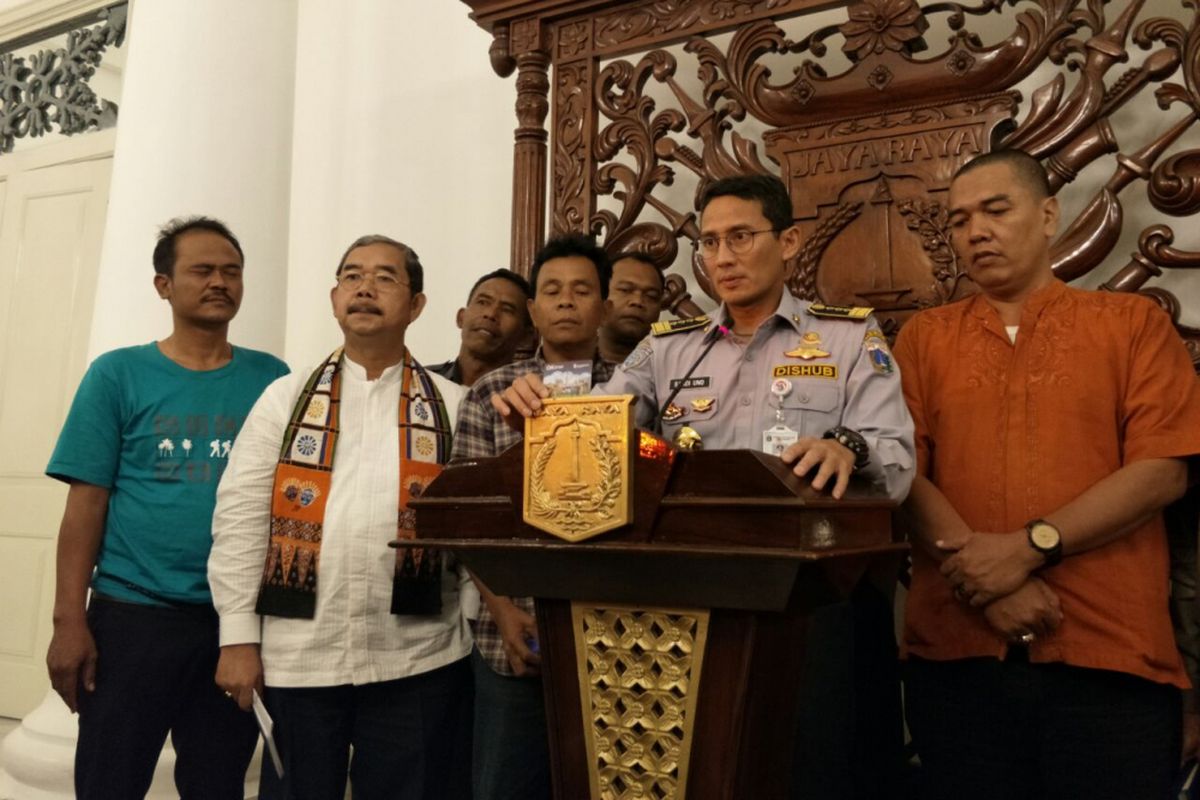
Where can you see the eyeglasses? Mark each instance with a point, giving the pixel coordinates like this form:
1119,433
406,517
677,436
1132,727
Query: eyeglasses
352,280
739,242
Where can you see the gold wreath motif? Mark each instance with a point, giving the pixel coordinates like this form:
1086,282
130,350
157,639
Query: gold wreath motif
574,516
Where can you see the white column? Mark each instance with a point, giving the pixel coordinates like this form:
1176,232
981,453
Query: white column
403,129
205,127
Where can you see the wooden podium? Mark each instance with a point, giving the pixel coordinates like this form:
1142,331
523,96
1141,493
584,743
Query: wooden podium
672,647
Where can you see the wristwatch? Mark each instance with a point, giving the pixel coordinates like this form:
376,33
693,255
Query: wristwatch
853,441
1046,539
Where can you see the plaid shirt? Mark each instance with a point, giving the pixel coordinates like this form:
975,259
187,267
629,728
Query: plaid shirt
481,433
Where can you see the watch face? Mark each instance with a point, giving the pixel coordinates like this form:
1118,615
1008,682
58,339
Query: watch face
1044,536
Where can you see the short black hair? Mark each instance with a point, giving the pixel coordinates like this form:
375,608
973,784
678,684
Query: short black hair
412,262
169,233
573,244
768,190
1027,169
503,274
642,258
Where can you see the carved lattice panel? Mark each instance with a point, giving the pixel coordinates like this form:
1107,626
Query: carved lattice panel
639,677
865,111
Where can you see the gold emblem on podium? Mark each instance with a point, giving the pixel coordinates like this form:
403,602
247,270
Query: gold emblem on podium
578,466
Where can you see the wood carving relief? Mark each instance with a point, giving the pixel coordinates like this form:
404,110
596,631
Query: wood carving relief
866,148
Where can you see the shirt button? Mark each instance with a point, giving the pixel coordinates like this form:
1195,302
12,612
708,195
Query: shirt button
745,399
749,356
803,398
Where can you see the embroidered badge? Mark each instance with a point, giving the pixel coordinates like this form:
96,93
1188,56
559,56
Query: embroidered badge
639,355
827,371
668,326
881,358
809,348
702,405
877,350
857,313
673,412
326,376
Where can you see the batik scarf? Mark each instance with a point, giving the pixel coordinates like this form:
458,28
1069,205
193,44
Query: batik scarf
301,490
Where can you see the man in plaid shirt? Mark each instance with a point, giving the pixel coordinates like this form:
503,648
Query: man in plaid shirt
511,760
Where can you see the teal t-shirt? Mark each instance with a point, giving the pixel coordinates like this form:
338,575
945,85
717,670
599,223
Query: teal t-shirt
157,436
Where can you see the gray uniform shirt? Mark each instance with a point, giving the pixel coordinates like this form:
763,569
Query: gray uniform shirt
728,399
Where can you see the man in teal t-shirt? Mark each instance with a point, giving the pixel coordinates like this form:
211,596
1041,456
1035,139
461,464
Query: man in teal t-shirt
143,449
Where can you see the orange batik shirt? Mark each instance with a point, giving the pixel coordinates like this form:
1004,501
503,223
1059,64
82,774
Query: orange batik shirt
1011,432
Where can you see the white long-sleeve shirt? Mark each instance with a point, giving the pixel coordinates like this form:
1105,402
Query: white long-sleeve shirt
353,638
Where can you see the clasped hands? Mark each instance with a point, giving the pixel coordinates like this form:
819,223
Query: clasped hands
995,572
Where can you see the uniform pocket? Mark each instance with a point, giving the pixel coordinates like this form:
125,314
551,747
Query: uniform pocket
812,409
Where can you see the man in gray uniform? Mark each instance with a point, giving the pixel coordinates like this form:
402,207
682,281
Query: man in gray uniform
817,385
813,383
804,372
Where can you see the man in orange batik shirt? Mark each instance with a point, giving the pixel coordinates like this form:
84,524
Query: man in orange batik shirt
1052,426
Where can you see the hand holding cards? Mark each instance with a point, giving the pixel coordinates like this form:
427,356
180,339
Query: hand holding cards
568,379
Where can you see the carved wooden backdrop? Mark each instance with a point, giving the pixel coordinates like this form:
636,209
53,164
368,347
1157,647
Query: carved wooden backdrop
867,150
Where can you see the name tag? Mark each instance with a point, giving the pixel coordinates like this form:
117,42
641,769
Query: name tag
691,383
828,371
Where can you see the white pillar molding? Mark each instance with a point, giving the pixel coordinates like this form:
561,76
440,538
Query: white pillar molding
205,127
20,18
37,759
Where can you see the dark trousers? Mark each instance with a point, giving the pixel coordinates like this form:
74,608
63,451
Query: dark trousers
410,738
154,675
849,737
512,751
1011,730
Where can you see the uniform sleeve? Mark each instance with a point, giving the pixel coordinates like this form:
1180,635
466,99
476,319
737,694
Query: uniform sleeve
1161,413
89,445
875,408
910,378
635,376
242,517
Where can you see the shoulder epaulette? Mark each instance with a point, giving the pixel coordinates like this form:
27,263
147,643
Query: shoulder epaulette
858,313
668,326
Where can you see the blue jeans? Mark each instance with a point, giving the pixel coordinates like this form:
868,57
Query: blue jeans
512,752
409,736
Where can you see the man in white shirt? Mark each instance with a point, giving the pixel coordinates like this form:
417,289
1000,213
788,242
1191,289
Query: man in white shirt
360,647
